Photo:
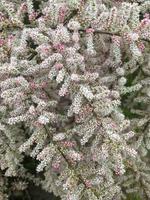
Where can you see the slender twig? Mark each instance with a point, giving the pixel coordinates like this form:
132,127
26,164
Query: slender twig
65,158
70,16
111,34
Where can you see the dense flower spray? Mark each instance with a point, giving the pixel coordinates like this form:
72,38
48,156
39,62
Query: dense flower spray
74,96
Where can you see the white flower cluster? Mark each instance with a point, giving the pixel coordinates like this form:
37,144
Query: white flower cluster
74,95
45,157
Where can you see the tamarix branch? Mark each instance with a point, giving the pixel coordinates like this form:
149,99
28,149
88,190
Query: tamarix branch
75,97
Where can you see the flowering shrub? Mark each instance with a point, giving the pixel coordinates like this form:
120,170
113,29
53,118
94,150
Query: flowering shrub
74,86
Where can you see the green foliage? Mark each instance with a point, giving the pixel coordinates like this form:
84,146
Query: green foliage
133,197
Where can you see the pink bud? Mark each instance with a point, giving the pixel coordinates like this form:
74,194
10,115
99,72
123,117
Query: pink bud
32,16
32,85
145,21
37,124
17,82
46,49
58,66
88,183
11,37
59,47
90,30
113,125
63,92
23,7
2,42
117,172
147,15
43,95
94,157
56,166
2,18
43,85
62,13
116,40
141,46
